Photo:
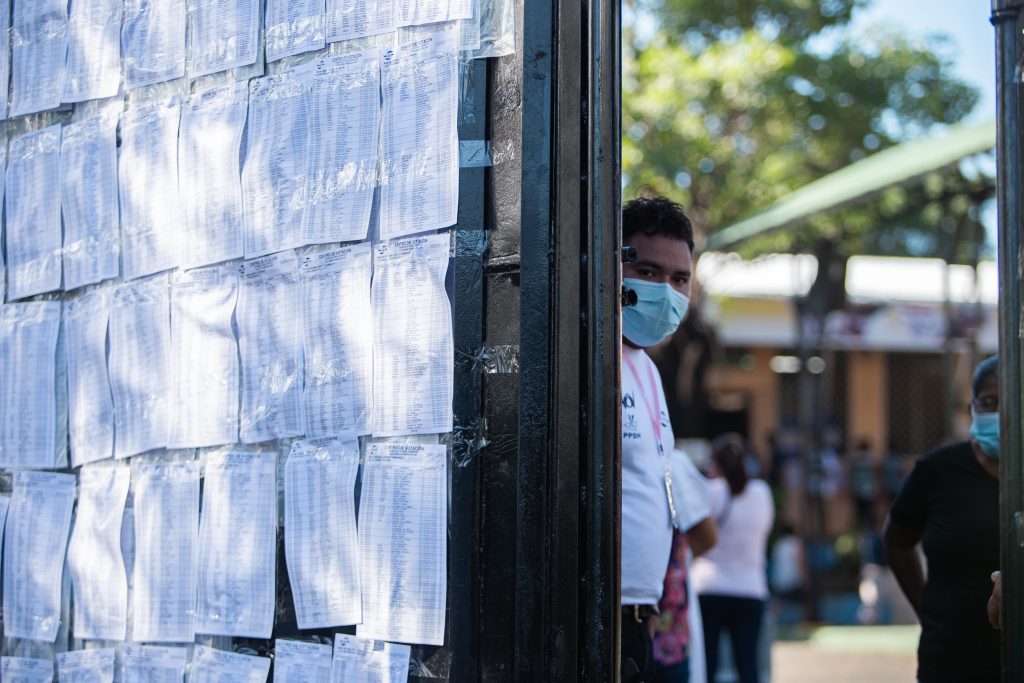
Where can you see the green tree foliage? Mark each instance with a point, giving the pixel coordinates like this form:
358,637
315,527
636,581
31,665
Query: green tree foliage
731,104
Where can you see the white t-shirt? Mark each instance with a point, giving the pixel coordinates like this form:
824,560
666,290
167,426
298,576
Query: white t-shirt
736,565
646,520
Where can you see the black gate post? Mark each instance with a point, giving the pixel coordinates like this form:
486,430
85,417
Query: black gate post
1007,19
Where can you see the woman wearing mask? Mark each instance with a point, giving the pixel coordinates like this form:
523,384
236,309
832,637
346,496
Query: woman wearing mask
950,504
730,579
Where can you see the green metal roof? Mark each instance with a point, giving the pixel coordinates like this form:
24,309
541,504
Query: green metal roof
863,179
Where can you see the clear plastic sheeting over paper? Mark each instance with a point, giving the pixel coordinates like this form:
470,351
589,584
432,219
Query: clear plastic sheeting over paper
94,554
270,348
93,68
89,201
87,666
90,404
359,660
338,352
31,436
140,365
26,670
154,663
148,184
294,27
413,352
419,138
209,177
166,508
348,19
153,41
402,541
341,169
224,34
297,661
204,358
39,42
32,215
35,538
216,666
237,544
320,532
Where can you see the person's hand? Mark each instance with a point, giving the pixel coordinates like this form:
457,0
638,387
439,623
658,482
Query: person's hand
995,616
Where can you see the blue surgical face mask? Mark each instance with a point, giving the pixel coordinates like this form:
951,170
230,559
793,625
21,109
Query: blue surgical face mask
658,312
985,431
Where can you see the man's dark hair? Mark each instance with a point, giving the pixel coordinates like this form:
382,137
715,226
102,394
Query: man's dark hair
656,216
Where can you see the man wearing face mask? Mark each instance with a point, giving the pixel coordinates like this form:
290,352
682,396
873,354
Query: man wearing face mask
950,504
660,276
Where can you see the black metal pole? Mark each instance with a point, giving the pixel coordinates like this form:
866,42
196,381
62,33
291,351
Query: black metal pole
1006,17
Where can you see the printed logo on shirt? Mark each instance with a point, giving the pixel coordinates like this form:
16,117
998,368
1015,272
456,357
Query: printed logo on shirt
630,423
628,402
664,419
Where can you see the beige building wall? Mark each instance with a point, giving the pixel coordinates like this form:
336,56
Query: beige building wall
760,388
867,415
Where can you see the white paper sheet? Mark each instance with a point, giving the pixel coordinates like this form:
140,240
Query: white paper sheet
28,380
419,137
89,201
218,666
86,666
39,42
337,341
270,348
418,12
90,403
25,670
300,662
33,231
140,365
347,19
153,41
276,161
359,660
166,503
224,35
94,554
36,536
5,56
238,545
469,29
320,532
153,663
402,543
204,357
344,105
293,27
148,185
413,352
93,67
209,175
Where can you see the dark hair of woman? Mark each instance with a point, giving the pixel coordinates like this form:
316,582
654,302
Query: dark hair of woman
730,454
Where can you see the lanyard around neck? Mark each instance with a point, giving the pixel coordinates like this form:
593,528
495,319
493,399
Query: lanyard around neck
654,413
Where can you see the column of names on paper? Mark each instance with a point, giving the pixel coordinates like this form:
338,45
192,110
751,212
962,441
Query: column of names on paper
237,544
28,379
166,505
94,554
402,540
270,348
36,537
320,532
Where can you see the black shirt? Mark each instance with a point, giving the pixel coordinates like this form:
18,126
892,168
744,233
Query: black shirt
954,504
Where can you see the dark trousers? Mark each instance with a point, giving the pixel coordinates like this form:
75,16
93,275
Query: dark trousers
637,650
741,617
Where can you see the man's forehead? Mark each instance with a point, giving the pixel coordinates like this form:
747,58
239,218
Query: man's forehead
662,251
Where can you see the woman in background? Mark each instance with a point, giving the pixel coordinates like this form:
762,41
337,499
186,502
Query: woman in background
730,579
